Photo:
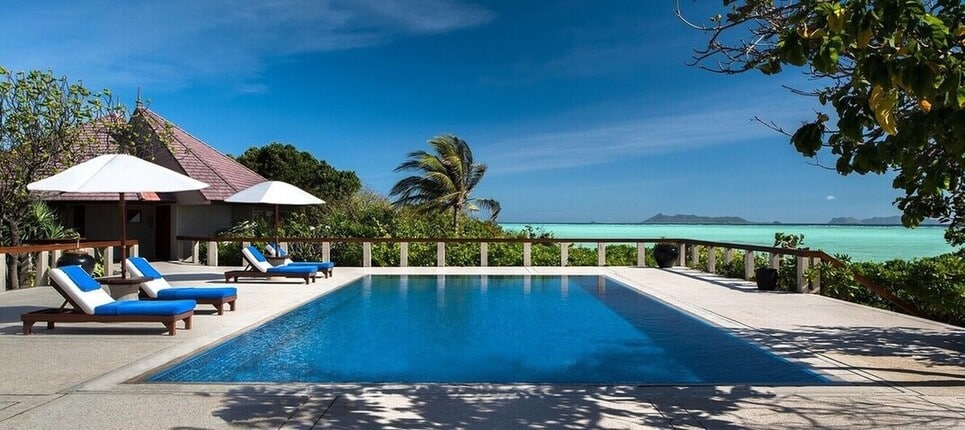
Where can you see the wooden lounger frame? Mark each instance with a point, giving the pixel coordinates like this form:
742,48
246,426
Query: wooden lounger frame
235,274
51,316
65,315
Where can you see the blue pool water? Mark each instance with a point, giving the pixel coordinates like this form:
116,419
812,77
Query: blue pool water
498,329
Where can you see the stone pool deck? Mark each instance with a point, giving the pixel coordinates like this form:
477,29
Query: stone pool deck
892,371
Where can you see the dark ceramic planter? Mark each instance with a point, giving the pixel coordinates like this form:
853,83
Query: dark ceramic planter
766,279
666,254
73,258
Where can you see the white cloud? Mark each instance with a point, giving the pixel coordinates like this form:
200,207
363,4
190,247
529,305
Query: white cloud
830,197
599,134
613,141
177,41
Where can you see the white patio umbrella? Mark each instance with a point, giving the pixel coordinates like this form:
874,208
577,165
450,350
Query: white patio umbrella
274,193
117,173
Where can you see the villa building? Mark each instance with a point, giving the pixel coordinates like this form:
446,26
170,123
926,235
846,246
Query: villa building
156,219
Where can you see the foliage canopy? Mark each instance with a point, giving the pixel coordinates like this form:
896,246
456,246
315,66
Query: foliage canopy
46,122
893,73
284,162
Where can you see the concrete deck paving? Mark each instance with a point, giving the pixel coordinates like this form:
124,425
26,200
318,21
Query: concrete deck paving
891,370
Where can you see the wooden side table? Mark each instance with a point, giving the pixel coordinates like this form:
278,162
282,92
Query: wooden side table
123,288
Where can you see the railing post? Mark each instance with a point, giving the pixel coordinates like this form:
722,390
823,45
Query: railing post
641,254
213,253
326,251
108,255
711,260
682,257
527,254
366,254
748,264
134,252
51,262
600,254
728,255
775,261
3,272
802,267
695,256
440,254
403,254
564,254
43,262
196,251
816,282
483,254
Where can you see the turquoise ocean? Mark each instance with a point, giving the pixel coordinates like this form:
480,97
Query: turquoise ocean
861,243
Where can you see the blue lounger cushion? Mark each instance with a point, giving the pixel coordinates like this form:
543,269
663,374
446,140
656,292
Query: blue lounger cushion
276,250
256,253
261,258
257,261
196,293
321,265
145,268
79,277
137,307
287,269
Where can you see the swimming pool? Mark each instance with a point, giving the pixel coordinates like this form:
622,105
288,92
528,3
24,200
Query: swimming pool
488,329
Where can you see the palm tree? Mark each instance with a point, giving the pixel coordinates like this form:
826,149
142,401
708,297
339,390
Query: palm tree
446,181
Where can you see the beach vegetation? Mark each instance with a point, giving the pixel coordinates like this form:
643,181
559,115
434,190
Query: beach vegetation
889,76
444,181
934,285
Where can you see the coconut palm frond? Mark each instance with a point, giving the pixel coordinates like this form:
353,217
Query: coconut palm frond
447,179
491,205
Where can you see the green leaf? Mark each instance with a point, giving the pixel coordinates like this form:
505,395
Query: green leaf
922,80
936,29
807,139
770,68
792,50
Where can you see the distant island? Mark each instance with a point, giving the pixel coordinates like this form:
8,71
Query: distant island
735,220
882,220
694,219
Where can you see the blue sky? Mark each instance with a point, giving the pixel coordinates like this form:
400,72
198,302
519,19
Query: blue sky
583,110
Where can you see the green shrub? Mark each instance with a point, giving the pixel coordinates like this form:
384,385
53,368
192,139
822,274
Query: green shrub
934,285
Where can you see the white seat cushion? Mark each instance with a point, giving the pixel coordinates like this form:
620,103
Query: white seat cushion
86,300
262,266
151,287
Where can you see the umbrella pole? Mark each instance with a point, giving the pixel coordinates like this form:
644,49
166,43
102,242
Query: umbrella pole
276,226
123,238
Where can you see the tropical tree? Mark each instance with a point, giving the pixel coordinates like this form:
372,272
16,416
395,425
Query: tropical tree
45,123
445,181
284,162
893,73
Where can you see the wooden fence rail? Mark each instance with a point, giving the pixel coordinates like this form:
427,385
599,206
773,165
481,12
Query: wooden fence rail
805,257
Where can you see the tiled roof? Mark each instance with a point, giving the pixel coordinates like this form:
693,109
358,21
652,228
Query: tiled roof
99,142
96,139
178,150
187,154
